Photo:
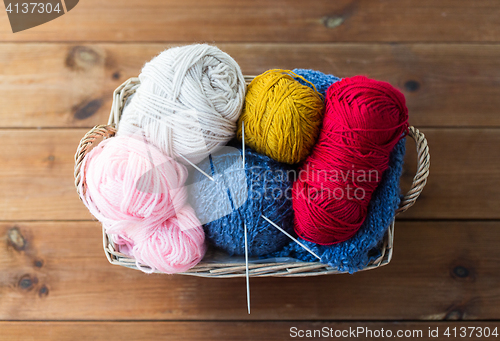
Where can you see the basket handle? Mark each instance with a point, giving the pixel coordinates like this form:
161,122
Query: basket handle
420,178
120,96
86,145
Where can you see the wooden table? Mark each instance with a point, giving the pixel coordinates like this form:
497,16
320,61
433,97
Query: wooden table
56,82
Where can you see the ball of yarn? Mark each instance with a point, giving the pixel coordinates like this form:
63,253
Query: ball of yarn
282,117
188,102
364,120
131,183
173,246
318,79
355,253
239,197
137,193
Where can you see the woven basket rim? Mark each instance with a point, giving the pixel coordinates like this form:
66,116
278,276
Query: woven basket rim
229,270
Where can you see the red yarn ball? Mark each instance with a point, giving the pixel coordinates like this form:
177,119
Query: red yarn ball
364,120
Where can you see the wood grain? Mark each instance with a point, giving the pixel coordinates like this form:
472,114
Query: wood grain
56,82
36,176
465,165
440,270
70,85
222,331
270,21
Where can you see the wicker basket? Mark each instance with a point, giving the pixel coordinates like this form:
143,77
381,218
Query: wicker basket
237,269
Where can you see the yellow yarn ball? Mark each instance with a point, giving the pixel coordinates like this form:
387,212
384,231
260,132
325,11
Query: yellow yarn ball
282,117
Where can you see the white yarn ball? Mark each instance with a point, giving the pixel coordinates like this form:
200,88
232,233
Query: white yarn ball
188,102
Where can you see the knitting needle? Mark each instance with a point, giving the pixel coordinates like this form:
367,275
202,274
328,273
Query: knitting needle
247,272
243,141
290,236
199,170
245,225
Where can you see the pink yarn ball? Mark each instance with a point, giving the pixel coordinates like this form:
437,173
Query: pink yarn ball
131,183
138,194
171,247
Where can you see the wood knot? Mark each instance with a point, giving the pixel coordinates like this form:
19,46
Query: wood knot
38,262
412,86
16,239
43,291
116,75
455,314
333,21
82,58
86,109
26,282
461,272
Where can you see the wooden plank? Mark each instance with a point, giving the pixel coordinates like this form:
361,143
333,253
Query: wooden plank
36,176
67,85
230,331
441,270
270,21
464,168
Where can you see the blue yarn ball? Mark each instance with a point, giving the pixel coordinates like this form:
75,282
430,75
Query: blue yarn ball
320,80
239,197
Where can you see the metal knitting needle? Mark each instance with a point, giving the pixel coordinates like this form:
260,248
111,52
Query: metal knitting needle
245,225
199,170
247,272
243,141
290,236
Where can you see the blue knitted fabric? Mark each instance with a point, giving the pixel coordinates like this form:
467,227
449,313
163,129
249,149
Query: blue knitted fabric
355,253
320,80
238,197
